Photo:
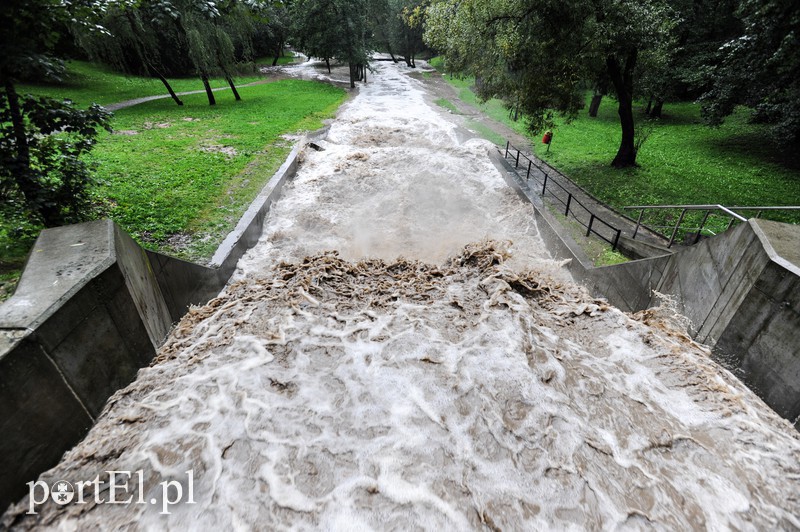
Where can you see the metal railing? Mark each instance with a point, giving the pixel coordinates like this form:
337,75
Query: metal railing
709,210
558,193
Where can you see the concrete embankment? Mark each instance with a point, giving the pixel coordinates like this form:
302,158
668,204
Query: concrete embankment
91,309
740,291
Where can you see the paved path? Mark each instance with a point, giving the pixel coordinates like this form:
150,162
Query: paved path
439,87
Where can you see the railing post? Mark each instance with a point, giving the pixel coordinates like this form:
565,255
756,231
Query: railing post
516,163
675,231
508,143
638,224
569,200
616,240
700,229
591,222
528,175
544,187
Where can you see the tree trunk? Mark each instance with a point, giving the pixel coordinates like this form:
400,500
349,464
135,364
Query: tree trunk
23,158
389,48
29,187
278,53
209,92
169,88
623,84
22,161
352,76
594,106
655,112
147,63
648,107
233,88
328,63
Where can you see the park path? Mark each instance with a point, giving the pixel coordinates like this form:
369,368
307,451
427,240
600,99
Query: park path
467,385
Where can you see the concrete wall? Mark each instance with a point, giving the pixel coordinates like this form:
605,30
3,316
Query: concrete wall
87,314
741,291
91,308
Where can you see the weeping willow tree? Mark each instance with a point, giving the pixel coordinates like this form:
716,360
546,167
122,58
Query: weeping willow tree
130,45
213,33
156,37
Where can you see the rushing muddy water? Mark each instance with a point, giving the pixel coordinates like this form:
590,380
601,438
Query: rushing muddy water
468,385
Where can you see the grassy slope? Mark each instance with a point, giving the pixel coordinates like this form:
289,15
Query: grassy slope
682,162
88,82
219,158
183,172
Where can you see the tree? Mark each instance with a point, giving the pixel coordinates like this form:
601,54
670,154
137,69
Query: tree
272,30
681,71
538,54
42,140
399,26
334,28
130,45
760,68
208,31
156,37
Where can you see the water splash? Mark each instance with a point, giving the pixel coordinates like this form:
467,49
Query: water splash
335,386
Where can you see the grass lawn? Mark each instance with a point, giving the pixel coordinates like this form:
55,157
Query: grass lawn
682,162
86,83
219,159
179,178
287,59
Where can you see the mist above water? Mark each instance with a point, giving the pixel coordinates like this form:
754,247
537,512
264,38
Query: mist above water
468,385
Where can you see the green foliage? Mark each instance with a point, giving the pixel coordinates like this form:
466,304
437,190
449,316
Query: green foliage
538,55
333,28
685,162
760,68
42,140
50,182
86,83
220,158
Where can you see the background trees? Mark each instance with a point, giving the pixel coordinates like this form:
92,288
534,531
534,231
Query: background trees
334,28
42,140
760,68
160,37
538,55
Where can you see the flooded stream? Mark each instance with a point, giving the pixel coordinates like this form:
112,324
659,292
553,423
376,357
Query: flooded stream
401,352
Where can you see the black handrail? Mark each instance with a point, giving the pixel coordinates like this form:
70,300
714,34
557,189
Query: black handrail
570,202
709,209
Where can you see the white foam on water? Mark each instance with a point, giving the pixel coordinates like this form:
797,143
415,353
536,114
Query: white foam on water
389,394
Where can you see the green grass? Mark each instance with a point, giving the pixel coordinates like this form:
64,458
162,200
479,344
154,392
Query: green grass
486,132
87,83
682,162
447,104
218,160
287,59
179,178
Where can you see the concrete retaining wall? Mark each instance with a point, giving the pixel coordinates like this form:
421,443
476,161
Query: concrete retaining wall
91,308
741,291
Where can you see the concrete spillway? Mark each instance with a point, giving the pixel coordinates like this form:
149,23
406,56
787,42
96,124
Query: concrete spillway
400,351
